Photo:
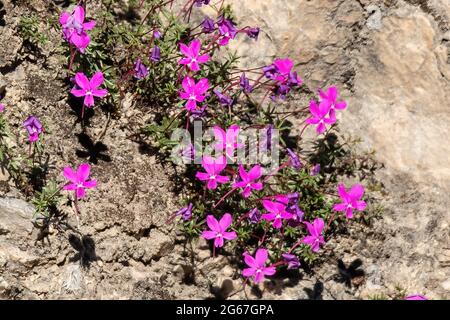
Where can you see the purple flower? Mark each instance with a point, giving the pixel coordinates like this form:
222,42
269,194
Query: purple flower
281,72
185,213
291,202
295,161
351,200
227,30
156,54
218,230
224,100
248,180
140,70
254,216
188,152
315,238
208,25
89,88
192,55
199,113
266,138
319,115
257,266
292,261
253,33
244,83
416,297
74,28
315,170
34,128
199,3
156,34
79,180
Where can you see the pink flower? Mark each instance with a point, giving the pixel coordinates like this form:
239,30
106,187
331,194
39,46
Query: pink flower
319,115
218,230
227,30
89,88
192,52
74,28
257,266
277,212
213,168
227,141
193,92
247,180
331,96
79,180
2,107
315,239
350,200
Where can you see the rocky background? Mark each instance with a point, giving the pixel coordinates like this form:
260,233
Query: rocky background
391,61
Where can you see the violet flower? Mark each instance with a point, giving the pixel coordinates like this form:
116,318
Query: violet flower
253,32
155,55
140,70
224,100
257,266
292,261
227,30
185,213
295,161
34,128
244,83
79,180
218,230
315,170
254,216
157,34
199,3
208,25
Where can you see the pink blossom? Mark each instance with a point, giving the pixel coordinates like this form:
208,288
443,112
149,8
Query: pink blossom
227,141
192,55
74,28
213,168
2,107
319,115
331,96
277,212
247,180
218,230
193,92
350,200
257,266
315,239
89,88
79,180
